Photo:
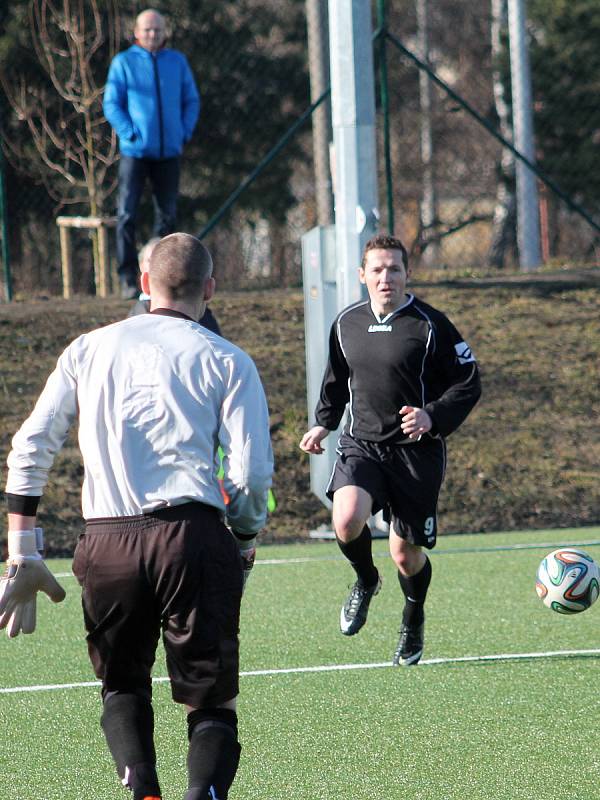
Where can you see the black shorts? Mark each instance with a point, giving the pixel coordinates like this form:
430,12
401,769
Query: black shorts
177,570
403,480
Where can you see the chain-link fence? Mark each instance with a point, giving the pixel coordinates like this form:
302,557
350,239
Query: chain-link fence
449,186
453,197
248,59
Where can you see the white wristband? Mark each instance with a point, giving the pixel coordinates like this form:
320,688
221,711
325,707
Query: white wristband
22,543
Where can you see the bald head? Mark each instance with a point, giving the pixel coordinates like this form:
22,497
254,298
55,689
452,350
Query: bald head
150,30
180,268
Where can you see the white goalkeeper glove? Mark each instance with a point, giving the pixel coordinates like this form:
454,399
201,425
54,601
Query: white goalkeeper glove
26,575
248,555
247,547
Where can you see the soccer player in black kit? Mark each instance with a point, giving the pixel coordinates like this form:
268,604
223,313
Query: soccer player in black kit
408,380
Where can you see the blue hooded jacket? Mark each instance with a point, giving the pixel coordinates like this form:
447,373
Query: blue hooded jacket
151,101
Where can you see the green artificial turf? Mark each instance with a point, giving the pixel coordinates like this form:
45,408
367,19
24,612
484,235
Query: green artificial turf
518,723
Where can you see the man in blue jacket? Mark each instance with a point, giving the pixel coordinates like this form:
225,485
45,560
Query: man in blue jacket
152,102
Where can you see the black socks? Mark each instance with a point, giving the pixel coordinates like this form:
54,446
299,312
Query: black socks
358,552
128,724
213,754
415,591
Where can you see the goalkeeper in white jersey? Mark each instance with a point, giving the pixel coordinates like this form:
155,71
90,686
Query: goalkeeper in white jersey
156,395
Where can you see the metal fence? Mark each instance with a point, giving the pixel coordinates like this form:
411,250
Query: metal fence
446,181
249,63
453,181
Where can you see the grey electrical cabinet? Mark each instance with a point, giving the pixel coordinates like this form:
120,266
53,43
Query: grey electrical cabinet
320,309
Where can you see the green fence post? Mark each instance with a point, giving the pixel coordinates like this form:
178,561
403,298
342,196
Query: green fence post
273,152
489,127
4,232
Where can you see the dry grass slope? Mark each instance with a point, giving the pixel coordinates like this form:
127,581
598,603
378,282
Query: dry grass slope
526,458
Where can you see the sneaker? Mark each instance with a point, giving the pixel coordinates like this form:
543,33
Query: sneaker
410,646
354,611
142,781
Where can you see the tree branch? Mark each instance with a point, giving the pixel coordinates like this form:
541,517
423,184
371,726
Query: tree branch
74,146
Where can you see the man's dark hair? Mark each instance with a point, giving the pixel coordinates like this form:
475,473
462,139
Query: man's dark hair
179,266
383,241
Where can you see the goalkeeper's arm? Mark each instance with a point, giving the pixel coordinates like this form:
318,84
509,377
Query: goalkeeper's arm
26,575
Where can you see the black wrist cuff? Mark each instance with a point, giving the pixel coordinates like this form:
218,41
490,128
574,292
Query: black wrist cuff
244,537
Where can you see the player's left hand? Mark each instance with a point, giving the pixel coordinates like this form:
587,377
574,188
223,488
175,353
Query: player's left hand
248,557
415,421
247,544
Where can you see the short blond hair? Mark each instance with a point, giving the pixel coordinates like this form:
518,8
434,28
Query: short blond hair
146,251
180,266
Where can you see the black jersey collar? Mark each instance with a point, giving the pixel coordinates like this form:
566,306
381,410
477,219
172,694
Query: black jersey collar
170,312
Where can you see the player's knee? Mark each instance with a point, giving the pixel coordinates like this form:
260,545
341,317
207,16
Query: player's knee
409,561
401,562
348,526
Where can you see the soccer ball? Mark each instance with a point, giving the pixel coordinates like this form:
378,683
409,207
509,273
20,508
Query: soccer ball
568,580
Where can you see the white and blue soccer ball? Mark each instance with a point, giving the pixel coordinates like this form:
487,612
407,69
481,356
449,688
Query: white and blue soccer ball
568,580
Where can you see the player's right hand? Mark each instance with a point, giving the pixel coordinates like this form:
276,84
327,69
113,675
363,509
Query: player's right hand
415,421
26,575
23,579
311,441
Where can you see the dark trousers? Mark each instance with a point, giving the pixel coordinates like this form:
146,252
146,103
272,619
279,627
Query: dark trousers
177,571
164,181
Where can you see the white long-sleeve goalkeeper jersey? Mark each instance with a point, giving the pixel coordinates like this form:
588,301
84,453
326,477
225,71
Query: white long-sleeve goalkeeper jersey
155,394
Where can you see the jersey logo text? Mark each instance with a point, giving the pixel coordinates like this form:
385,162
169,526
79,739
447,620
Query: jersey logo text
380,328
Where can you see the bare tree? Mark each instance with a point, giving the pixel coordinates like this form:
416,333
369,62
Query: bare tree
73,147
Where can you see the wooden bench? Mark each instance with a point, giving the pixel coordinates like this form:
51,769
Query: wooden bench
101,262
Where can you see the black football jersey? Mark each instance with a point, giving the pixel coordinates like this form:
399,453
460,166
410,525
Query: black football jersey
413,356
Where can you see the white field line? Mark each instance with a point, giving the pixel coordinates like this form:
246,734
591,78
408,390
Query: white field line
331,668
269,562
